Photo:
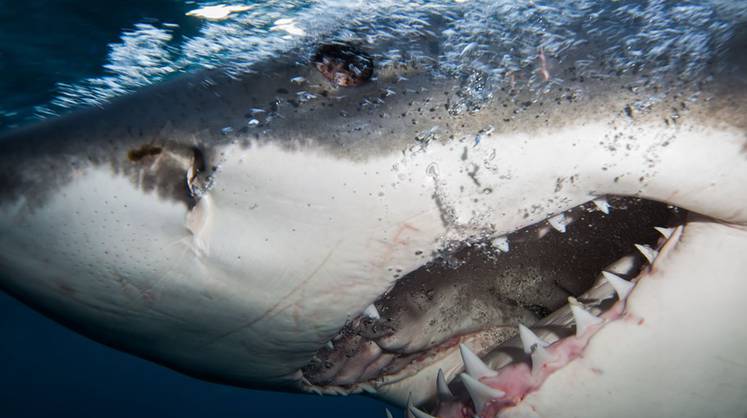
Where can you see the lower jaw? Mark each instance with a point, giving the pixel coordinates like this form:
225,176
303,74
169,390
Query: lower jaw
675,347
677,350
672,347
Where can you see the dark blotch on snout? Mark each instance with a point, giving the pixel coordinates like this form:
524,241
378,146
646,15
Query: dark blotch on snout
343,64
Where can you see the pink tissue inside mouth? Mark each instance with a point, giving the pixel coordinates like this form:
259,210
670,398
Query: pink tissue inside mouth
517,380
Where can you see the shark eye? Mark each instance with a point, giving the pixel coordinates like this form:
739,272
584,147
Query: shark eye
343,64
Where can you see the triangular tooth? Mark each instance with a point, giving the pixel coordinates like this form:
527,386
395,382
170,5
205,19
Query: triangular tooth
529,339
442,388
602,205
330,345
558,222
665,232
648,252
480,392
622,287
388,414
410,405
372,312
473,365
540,356
368,388
501,244
418,413
584,319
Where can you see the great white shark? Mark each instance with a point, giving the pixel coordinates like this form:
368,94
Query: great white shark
470,229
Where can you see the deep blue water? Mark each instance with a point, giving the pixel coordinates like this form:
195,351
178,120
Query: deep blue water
47,370
44,42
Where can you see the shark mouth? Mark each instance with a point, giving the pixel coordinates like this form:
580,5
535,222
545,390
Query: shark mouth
488,322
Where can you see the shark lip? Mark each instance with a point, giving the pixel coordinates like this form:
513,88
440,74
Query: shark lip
529,275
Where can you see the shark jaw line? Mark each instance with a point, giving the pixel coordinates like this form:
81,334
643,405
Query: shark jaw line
401,336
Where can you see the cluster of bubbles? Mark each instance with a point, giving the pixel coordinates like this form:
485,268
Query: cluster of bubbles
486,43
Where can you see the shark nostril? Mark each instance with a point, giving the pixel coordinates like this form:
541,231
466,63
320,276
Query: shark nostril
343,64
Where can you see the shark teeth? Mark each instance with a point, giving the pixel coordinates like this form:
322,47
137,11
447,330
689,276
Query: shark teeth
480,393
501,244
622,287
665,232
584,319
558,222
372,312
410,407
418,413
473,365
602,205
529,340
475,370
648,252
442,388
535,347
388,413
540,356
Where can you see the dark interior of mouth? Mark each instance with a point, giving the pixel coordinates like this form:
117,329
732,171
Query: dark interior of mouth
477,286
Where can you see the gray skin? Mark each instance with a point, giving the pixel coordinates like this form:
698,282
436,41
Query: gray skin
182,122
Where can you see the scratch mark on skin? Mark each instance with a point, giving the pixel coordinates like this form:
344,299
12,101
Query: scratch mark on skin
732,362
66,289
397,240
404,227
145,292
277,308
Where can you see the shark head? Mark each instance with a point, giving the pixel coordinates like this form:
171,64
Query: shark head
477,220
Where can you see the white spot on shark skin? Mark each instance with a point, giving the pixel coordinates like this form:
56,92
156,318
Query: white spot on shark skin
217,12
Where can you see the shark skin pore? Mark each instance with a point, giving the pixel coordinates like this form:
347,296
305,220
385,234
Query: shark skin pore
228,226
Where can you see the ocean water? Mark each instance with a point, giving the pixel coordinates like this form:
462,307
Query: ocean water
53,57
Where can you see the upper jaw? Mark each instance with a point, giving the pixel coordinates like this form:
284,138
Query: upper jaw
677,332
659,343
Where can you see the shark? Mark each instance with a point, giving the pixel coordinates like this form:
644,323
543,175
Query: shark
514,210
